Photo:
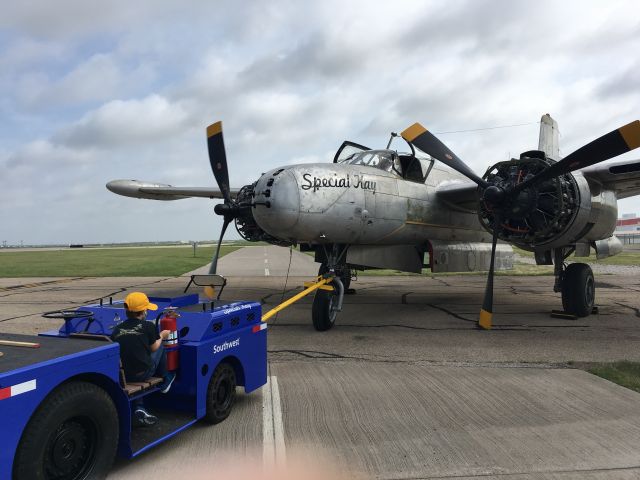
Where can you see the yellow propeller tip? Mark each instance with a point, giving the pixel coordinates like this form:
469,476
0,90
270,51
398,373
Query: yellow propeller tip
214,129
631,134
414,131
484,321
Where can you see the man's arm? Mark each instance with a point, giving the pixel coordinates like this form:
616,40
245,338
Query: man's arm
163,336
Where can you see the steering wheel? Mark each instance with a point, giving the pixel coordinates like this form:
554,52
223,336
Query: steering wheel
68,314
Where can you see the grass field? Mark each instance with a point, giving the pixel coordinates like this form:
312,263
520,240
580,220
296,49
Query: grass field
106,262
174,260
627,257
623,373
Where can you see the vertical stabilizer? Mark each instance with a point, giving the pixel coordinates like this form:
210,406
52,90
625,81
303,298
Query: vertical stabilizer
549,141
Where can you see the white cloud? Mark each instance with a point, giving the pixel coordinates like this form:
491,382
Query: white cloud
99,78
125,90
121,123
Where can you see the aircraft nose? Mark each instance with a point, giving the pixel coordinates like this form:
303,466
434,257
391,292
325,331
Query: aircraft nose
278,209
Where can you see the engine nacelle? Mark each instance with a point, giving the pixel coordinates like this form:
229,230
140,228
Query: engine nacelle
246,224
553,214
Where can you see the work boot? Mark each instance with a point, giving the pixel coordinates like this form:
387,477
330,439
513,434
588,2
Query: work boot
144,418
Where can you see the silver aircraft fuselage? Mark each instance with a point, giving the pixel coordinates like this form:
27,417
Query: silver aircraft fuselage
356,204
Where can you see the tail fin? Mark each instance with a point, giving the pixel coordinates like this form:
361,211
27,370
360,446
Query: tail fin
549,141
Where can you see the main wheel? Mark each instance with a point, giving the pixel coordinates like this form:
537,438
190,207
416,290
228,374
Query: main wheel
578,289
221,393
324,310
73,435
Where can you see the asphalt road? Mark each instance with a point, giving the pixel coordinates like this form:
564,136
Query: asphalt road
404,387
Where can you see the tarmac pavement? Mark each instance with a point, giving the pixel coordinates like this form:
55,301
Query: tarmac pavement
404,387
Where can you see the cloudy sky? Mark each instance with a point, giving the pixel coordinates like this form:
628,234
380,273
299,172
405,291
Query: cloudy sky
95,91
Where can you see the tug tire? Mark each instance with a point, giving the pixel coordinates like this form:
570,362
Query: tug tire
221,393
73,434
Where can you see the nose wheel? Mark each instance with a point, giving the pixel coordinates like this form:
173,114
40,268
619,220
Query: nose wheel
326,305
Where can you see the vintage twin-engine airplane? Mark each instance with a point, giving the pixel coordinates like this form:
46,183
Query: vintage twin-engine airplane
385,209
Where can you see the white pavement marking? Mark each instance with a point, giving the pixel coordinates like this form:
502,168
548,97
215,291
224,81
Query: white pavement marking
266,272
273,447
266,261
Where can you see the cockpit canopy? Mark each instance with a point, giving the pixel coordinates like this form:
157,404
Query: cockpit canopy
381,159
404,165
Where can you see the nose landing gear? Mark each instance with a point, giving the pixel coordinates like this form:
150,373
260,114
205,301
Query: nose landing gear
344,272
326,305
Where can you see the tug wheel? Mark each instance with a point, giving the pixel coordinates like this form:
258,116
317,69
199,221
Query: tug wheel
221,393
324,310
73,435
578,289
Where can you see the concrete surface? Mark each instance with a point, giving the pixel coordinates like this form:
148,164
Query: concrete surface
404,387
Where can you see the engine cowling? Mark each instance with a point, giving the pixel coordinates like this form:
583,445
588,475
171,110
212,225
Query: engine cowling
552,214
246,224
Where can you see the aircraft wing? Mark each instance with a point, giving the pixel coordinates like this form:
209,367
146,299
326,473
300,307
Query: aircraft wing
621,177
162,191
459,194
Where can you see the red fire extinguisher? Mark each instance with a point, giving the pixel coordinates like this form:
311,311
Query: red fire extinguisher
169,321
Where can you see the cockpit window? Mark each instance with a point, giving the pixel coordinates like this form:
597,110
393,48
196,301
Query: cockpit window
380,159
348,150
414,167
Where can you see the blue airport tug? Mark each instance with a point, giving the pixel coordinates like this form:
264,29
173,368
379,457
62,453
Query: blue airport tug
65,406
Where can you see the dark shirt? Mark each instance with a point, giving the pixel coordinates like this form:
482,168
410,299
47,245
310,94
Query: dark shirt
135,338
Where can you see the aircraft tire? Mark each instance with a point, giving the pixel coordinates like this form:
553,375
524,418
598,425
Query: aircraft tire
578,289
323,313
221,393
73,434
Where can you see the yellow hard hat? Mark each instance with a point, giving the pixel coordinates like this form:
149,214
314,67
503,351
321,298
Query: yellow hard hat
138,301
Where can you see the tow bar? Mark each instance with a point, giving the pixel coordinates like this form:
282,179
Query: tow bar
320,283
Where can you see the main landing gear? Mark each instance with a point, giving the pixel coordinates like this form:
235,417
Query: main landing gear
576,284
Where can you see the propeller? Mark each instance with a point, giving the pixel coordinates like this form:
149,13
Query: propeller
231,208
429,144
486,312
218,160
617,142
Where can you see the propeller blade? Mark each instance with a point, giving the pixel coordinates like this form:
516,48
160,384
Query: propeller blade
214,260
429,144
486,313
614,143
218,158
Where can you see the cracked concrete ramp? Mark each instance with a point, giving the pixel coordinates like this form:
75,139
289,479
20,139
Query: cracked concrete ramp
400,421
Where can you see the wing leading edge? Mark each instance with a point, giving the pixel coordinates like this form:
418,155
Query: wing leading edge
621,177
161,191
459,195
